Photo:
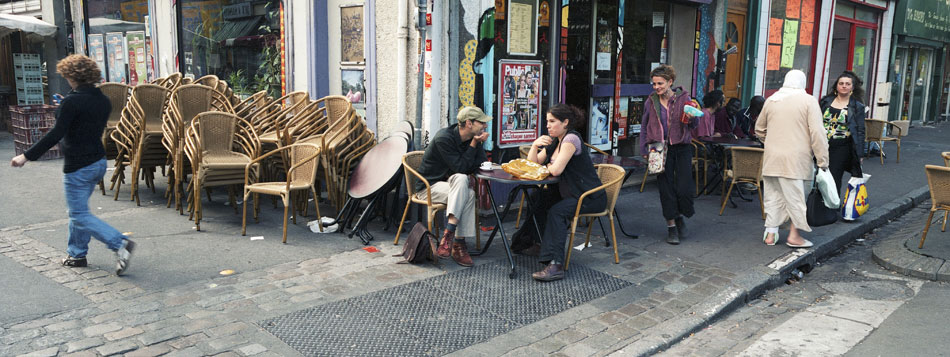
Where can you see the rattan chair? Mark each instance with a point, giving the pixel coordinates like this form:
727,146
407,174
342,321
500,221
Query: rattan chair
946,158
118,94
219,146
186,103
746,167
700,159
300,176
278,118
874,132
410,164
938,178
611,178
208,80
145,117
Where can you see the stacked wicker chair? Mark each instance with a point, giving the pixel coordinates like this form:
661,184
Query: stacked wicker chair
118,94
139,136
285,110
186,103
220,146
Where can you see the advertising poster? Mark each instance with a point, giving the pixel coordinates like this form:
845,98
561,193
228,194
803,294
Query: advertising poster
622,112
635,114
138,70
115,57
97,51
352,82
519,108
351,34
599,126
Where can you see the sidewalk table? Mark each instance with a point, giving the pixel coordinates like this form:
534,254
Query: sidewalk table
498,175
720,144
629,164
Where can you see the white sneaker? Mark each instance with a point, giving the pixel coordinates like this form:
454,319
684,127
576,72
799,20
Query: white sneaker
123,255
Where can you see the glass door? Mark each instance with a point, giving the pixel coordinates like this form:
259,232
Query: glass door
921,85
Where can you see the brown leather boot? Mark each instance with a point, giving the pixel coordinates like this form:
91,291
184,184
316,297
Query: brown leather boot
460,254
551,272
445,245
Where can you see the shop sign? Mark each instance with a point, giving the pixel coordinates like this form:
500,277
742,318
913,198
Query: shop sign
522,27
923,18
237,11
519,108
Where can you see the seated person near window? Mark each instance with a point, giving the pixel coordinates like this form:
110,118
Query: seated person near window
745,119
726,120
566,157
712,102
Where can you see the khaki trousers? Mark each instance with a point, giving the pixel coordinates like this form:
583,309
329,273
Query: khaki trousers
459,201
784,200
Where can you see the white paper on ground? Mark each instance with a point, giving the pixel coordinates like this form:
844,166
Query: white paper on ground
326,229
581,246
257,238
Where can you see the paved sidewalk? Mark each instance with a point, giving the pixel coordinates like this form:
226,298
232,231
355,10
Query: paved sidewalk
174,300
901,252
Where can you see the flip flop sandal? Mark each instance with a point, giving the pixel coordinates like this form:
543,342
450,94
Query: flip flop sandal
765,236
807,244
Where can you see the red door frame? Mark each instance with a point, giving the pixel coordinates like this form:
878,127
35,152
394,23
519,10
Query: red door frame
854,26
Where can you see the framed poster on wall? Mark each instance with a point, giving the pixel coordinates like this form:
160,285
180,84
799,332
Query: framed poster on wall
352,83
519,105
351,34
115,57
97,52
599,123
137,66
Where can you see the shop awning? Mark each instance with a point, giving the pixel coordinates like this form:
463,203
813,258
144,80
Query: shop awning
32,26
104,25
236,29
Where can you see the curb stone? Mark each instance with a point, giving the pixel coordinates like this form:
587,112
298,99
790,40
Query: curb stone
756,280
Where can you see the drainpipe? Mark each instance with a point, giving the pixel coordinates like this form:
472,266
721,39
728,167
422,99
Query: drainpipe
421,26
402,38
435,90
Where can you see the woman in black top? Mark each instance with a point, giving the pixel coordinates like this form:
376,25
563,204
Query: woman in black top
566,156
80,120
843,116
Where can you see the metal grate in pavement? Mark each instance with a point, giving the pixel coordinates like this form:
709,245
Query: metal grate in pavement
438,315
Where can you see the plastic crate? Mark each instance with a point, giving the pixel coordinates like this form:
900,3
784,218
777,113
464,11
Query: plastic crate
28,136
52,153
40,116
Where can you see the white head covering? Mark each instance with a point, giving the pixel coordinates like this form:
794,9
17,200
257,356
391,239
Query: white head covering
794,84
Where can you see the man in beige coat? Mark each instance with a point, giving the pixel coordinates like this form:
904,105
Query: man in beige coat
793,118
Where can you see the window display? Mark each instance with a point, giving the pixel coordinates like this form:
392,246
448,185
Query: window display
791,41
111,24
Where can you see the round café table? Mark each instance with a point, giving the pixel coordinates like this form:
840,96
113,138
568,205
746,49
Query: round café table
496,174
376,174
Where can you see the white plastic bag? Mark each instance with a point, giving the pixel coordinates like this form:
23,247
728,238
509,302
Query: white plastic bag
828,188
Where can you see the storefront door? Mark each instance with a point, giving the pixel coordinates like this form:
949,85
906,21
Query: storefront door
735,36
914,67
852,49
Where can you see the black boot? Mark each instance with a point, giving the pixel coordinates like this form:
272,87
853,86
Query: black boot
672,237
681,227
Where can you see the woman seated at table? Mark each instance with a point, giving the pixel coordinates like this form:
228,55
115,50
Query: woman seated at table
712,102
566,156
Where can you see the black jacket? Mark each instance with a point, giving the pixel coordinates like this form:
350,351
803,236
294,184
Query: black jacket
856,116
80,120
447,155
579,175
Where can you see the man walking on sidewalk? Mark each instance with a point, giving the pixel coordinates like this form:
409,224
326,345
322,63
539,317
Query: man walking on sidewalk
454,153
80,120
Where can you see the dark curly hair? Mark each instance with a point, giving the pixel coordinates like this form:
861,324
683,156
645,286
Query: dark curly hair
80,69
568,112
857,91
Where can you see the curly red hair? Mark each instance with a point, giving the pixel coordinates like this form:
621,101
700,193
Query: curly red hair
80,69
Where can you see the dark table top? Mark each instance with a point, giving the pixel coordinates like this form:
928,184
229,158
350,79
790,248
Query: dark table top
499,175
378,166
626,162
729,141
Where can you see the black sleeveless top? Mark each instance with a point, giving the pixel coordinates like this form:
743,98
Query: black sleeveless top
579,175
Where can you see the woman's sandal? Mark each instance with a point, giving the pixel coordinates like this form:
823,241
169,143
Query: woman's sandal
807,244
765,237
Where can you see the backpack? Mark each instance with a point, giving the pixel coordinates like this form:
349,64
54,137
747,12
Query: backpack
419,247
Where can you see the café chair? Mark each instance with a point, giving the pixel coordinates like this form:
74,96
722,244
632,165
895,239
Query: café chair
410,164
147,106
118,94
946,158
874,132
299,177
747,168
938,178
611,178
700,160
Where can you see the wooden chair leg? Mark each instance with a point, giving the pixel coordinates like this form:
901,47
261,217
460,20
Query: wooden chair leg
725,198
943,228
102,186
286,206
244,214
570,243
520,206
881,144
613,236
403,220
197,204
643,183
590,224
257,208
293,205
316,207
923,235
898,151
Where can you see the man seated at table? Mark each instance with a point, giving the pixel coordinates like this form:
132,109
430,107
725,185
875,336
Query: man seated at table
745,119
454,153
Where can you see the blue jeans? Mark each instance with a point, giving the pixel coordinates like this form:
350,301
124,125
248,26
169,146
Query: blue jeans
79,185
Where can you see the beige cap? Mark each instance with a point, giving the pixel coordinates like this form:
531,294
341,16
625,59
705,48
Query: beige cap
472,113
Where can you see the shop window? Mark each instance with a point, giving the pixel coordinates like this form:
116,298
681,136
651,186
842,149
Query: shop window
644,39
236,40
791,41
117,39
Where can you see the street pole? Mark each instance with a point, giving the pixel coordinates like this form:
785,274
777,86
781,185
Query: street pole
421,26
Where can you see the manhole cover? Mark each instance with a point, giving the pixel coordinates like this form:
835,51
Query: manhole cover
438,315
